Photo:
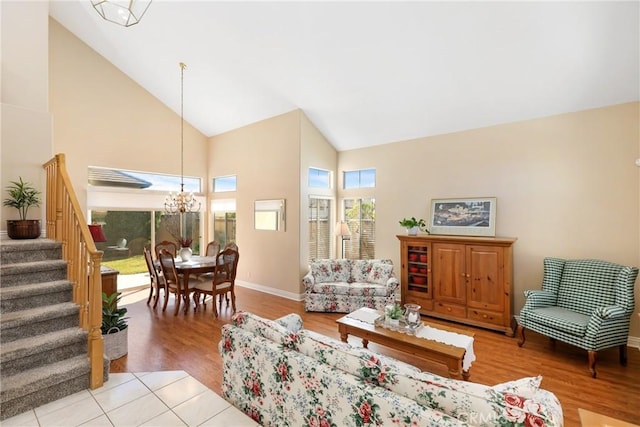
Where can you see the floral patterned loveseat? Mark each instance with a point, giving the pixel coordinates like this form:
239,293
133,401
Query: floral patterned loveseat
283,375
344,285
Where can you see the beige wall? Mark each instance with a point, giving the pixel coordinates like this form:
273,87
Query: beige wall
264,157
316,152
26,122
103,118
566,186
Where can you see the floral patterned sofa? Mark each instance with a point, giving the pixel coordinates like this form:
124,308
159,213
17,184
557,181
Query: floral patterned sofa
283,375
344,285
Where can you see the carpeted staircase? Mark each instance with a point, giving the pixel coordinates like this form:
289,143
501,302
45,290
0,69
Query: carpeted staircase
43,355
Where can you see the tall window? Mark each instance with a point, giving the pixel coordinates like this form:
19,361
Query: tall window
363,178
319,228
224,220
360,216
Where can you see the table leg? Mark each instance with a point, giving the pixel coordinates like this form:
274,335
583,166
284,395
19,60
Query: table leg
342,330
365,342
466,375
455,369
185,293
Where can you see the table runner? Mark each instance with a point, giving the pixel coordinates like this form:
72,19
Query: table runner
369,315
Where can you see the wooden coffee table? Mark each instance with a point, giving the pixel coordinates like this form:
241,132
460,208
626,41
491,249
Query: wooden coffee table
425,349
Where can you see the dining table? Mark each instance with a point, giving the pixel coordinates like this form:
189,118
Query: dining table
196,265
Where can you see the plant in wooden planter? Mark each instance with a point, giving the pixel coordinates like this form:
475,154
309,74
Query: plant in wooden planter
114,326
22,195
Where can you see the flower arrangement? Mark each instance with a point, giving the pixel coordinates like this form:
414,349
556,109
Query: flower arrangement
185,242
394,312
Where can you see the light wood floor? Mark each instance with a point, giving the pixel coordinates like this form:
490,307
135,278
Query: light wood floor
161,341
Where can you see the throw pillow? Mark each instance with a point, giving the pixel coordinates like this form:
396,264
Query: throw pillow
525,387
380,273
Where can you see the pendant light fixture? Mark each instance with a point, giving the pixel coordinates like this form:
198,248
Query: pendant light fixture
181,202
121,12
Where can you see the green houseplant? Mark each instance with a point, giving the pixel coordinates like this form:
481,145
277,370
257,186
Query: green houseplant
413,225
114,326
22,195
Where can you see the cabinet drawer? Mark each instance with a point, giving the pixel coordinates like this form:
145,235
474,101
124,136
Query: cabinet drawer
424,303
451,309
486,316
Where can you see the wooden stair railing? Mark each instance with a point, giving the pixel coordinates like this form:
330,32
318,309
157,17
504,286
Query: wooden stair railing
66,224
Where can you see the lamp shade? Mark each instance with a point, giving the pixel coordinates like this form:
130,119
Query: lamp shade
342,229
97,233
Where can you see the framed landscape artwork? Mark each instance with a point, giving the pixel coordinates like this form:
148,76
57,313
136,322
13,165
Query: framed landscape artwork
466,217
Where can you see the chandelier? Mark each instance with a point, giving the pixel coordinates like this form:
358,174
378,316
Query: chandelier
181,202
121,12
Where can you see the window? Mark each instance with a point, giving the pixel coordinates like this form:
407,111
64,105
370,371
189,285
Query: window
224,220
319,228
319,178
364,178
223,184
360,216
105,177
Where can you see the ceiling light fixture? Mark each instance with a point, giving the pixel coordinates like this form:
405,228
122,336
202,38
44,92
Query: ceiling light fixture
121,12
181,202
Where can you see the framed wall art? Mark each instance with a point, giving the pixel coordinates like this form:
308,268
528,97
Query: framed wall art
465,217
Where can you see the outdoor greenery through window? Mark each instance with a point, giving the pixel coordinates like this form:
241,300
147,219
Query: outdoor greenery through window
319,228
224,227
363,178
128,232
360,216
223,184
319,178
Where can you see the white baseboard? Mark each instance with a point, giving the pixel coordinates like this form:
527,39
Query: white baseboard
270,290
633,342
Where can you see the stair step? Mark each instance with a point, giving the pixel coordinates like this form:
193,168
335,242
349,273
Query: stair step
41,320
32,272
15,251
38,386
23,297
27,353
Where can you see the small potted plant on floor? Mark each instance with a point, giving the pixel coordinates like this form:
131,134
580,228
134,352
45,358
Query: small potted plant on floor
413,225
22,195
114,327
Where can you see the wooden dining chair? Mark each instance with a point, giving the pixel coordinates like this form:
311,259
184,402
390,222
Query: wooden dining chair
231,245
213,248
222,283
172,247
174,282
156,277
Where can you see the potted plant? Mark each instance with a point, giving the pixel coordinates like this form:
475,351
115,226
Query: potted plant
114,326
393,314
413,225
22,195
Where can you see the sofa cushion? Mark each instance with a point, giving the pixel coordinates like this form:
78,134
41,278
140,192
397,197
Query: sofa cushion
558,318
361,268
475,404
331,270
370,367
525,387
266,328
355,288
380,273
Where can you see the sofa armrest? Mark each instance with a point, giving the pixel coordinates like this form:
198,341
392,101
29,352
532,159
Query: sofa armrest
308,281
393,284
538,298
292,321
609,312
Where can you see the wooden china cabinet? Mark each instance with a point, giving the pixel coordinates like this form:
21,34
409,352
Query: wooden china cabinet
459,278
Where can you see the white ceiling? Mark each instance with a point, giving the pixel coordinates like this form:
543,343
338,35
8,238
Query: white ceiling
368,73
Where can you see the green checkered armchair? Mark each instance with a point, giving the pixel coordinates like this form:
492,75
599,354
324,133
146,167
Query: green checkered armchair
587,303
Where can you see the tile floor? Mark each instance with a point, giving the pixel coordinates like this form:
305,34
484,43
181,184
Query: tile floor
171,398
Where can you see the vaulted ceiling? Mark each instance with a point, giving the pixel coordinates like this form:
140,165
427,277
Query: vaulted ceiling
368,73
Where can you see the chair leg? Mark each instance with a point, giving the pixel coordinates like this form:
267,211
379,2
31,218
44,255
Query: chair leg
233,301
592,363
166,298
520,335
623,354
150,293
